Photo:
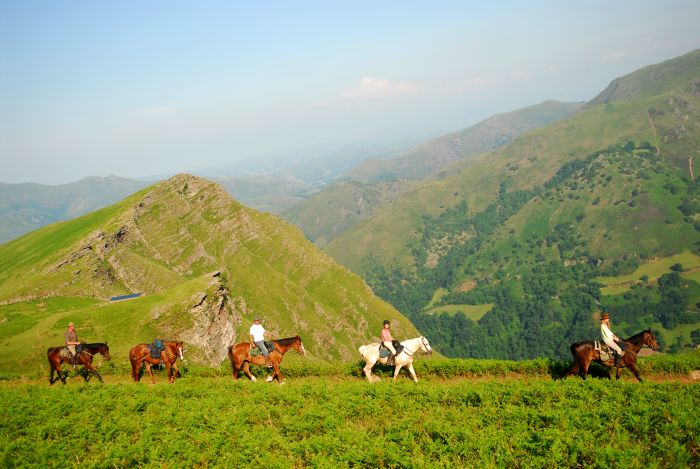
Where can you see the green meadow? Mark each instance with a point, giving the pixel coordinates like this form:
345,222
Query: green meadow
653,270
336,420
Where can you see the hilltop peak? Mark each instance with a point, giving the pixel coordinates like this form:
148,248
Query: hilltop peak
652,80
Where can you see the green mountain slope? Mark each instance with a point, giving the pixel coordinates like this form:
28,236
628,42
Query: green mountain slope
466,235
205,265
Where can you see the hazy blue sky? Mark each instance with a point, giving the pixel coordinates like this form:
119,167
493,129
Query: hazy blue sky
157,87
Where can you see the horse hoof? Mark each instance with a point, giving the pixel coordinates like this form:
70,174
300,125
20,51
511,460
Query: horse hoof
253,379
282,382
268,379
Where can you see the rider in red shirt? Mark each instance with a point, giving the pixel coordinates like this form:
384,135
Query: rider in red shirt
387,339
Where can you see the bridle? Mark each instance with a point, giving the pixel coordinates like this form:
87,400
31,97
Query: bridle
422,342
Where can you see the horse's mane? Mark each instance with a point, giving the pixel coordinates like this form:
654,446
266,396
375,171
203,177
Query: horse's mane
635,339
286,342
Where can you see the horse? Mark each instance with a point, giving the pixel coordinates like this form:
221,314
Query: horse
139,355
241,359
84,358
585,352
370,354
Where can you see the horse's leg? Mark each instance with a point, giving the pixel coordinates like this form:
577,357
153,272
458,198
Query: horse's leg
246,371
53,370
397,368
368,370
413,372
150,372
93,370
575,369
171,379
585,363
633,368
276,372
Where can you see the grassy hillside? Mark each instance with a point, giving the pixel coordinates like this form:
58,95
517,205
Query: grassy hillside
341,206
205,264
589,194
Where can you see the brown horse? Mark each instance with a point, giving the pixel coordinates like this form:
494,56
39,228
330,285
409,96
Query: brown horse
585,352
140,355
240,357
84,358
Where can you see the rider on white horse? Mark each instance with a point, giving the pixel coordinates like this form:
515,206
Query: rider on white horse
387,340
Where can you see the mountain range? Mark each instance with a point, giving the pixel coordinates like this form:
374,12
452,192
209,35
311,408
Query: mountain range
607,186
375,182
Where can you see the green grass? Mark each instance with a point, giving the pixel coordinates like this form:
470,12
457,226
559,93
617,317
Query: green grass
330,422
653,269
473,312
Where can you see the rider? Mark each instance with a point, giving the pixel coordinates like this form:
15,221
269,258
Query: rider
257,339
611,340
387,340
71,341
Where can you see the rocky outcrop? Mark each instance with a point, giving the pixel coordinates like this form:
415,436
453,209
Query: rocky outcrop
215,318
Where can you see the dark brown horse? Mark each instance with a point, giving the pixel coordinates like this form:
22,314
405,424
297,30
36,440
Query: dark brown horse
240,357
140,355
584,353
84,358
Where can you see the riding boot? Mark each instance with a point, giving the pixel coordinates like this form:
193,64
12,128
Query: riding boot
617,360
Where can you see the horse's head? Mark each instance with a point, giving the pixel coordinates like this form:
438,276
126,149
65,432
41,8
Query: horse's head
299,346
104,351
650,340
177,349
425,345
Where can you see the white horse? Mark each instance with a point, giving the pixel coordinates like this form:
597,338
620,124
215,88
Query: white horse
370,354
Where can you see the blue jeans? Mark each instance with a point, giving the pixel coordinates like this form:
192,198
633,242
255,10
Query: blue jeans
263,349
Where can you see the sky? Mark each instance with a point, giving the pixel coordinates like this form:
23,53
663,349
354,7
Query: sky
143,88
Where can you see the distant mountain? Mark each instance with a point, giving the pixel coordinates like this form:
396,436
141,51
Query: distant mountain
341,206
520,234
205,264
426,159
26,207
376,182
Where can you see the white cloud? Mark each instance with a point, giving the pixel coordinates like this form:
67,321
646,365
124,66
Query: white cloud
379,88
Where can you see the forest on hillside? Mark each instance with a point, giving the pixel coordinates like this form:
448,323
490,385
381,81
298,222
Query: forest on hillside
543,284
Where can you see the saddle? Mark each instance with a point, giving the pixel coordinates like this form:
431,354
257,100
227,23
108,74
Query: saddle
156,347
385,352
605,352
66,353
269,345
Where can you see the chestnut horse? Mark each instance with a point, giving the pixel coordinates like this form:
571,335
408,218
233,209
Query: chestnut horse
240,357
140,355
585,352
84,358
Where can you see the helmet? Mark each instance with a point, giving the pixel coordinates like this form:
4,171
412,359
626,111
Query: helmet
605,316
386,321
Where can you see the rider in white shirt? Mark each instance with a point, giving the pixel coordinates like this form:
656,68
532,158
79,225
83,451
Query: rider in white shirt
610,339
257,339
